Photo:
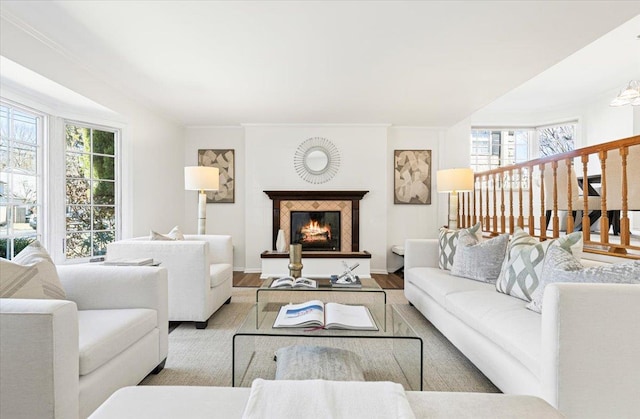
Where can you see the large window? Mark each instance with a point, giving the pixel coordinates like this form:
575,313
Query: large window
556,139
491,148
91,190
21,143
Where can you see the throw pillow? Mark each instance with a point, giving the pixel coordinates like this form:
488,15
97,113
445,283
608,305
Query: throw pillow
522,267
19,281
176,234
481,261
447,242
561,266
154,235
34,265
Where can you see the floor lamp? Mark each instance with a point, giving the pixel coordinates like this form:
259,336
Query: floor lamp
453,181
201,178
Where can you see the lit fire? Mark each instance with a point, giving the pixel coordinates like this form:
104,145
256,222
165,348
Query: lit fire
314,232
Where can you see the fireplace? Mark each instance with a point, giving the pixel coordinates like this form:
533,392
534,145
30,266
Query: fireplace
346,203
316,230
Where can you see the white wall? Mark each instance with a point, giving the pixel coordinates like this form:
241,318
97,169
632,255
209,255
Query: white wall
364,166
151,143
221,218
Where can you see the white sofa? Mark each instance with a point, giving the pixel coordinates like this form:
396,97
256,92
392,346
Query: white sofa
582,354
63,358
200,271
186,402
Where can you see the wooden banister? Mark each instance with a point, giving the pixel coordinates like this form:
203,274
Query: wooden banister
488,202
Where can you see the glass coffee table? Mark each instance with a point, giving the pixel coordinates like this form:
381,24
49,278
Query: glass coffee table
370,295
393,353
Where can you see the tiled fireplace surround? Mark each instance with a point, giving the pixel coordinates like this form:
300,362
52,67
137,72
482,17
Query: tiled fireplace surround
347,202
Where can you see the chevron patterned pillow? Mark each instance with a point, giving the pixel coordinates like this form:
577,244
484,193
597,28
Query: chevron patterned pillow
447,242
522,268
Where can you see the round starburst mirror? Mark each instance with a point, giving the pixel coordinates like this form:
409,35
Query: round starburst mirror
317,160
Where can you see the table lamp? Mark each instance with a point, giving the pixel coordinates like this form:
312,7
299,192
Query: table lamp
201,178
453,181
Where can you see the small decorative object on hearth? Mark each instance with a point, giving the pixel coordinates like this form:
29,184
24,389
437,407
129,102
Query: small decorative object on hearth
295,260
281,245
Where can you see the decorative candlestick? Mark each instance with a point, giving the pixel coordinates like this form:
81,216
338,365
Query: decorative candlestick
295,260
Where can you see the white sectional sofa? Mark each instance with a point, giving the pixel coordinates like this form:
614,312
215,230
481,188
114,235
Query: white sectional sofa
63,358
200,271
582,354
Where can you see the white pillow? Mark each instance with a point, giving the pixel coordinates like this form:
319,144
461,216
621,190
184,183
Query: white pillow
31,274
174,234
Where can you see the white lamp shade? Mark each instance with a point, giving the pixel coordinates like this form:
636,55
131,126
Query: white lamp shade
201,178
454,180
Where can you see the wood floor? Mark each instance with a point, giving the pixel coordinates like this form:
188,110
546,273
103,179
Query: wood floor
390,281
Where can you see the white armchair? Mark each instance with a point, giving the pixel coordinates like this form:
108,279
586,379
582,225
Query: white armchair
63,358
200,271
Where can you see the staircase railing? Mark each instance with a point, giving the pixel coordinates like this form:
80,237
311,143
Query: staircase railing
512,196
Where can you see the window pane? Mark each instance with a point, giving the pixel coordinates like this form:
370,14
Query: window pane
4,121
100,241
104,218
103,167
104,142
24,127
78,218
23,158
24,188
104,193
78,191
78,165
4,157
4,249
78,245
77,138
557,139
91,190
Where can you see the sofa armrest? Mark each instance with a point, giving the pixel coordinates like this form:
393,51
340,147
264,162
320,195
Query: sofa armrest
38,358
97,287
220,247
590,345
420,253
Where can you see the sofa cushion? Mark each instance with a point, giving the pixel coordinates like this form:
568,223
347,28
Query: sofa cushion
447,243
502,319
438,283
481,261
522,267
31,274
103,334
220,272
561,266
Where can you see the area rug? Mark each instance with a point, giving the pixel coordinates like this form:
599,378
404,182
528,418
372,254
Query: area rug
204,358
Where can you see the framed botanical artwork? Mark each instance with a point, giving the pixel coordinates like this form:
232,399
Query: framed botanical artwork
412,177
224,160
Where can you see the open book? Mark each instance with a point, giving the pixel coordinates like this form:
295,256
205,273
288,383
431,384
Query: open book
327,316
289,282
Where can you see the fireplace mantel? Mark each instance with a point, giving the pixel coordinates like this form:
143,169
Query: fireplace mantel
354,196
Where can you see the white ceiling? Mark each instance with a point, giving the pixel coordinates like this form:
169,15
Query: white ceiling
404,63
